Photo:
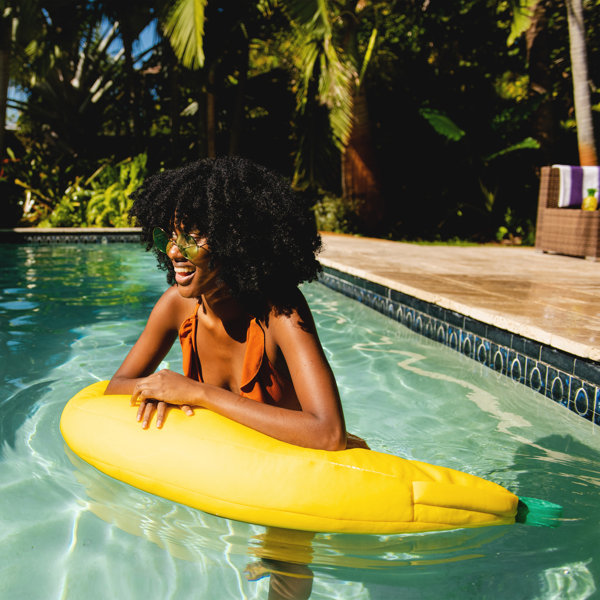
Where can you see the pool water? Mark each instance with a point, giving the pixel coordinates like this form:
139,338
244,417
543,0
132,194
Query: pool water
69,314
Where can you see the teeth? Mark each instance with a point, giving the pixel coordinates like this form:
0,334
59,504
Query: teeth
184,269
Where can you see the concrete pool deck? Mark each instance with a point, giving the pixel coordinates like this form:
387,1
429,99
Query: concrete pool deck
548,298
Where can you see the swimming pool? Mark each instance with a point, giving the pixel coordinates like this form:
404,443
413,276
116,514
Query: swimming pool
68,315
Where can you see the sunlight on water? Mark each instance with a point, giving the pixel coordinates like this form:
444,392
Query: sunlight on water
69,314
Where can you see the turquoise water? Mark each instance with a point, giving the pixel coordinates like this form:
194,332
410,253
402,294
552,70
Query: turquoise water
68,315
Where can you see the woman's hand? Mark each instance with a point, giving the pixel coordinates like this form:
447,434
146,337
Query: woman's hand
160,389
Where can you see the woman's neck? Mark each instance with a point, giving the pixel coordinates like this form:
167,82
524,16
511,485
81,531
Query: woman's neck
226,310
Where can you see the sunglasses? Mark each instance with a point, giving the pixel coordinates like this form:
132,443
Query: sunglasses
188,246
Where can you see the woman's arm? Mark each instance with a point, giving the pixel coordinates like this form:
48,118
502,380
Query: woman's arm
153,344
319,423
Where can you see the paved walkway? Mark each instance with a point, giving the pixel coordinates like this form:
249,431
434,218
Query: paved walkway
549,298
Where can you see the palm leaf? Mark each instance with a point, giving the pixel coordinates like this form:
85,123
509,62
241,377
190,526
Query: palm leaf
368,54
184,28
318,56
442,124
522,15
527,144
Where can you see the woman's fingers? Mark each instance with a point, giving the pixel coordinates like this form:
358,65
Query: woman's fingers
140,411
144,394
161,408
148,410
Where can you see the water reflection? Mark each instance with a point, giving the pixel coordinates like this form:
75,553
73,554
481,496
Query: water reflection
289,558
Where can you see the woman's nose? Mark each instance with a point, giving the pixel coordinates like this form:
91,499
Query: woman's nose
173,251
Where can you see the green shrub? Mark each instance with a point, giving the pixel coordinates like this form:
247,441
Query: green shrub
70,209
102,200
332,214
112,186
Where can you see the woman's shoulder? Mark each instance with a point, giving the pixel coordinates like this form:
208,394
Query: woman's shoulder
295,314
171,307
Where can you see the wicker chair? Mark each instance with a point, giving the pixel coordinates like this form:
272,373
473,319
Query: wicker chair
569,231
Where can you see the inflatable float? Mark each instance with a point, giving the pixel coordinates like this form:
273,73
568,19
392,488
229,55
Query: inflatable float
216,465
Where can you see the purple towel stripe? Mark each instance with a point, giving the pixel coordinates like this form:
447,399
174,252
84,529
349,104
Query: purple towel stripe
576,195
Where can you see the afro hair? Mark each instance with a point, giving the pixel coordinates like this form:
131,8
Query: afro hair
261,234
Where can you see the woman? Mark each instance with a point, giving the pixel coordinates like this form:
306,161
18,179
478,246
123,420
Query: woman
236,242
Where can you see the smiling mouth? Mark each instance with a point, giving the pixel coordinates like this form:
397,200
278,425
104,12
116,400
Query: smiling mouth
183,274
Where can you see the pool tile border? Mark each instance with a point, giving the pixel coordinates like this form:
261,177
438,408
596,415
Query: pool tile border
70,235
569,380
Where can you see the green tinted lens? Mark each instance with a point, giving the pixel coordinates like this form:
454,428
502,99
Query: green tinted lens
188,246
186,243
161,239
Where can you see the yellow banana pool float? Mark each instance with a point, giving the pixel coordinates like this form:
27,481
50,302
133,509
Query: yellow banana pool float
213,464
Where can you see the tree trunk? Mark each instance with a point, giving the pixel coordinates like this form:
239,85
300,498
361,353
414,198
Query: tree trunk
211,117
132,97
581,88
540,81
361,189
237,120
174,93
5,42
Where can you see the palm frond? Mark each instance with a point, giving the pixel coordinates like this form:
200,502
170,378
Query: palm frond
528,143
318,56
368,54
522,11
442,124
184,28
336,91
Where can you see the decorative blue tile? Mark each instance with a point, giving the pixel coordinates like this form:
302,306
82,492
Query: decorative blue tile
581,398
558,386
428,326
400,314
453,337
499,358
517,366
409,318
482,351
440,332
380,303
390,311
535,376
467,343
418,325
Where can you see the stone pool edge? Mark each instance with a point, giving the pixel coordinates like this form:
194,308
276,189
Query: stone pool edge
565,378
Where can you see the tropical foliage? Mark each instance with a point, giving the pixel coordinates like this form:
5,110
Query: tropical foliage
101,200
407,119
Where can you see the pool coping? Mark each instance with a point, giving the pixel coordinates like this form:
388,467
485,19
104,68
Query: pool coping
565,378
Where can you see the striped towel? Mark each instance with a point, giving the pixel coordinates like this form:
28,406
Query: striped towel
574,184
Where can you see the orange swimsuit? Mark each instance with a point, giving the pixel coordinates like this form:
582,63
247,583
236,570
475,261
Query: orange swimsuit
260,381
